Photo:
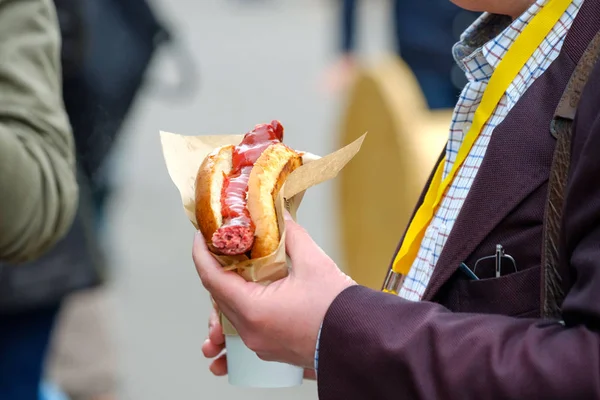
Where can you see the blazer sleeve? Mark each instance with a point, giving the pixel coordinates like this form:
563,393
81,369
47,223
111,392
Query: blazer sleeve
37,178
378,346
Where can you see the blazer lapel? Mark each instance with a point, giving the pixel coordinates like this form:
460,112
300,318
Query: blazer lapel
516,163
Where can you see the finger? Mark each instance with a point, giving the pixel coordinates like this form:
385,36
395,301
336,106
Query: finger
211,349
219,366
299,245
296,238
220,283
215,331
310,374
213,318
206,265
214,304
234,315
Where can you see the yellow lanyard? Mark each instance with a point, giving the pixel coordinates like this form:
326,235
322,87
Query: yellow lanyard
513,61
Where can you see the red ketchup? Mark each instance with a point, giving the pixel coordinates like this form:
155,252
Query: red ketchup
236,235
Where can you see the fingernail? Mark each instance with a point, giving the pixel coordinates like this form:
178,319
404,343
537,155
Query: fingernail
287,216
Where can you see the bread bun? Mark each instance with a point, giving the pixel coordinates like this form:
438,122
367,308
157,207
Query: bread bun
267,176
209,183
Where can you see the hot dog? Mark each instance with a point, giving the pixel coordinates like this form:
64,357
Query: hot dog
235,191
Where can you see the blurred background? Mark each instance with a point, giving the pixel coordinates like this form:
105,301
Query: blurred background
327,69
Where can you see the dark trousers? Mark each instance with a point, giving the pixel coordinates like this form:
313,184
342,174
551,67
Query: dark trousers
24,339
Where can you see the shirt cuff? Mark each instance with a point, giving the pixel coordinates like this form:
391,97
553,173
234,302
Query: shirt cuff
317,349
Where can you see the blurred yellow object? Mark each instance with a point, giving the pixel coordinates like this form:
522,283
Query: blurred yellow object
377,192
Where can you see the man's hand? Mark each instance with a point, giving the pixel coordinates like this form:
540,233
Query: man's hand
279,322
215,344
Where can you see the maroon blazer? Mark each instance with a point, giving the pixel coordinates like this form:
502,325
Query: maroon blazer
484,339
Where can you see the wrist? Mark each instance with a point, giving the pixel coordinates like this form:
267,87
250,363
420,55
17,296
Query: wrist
347,283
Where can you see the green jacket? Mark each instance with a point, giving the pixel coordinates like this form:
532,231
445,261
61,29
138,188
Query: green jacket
38,189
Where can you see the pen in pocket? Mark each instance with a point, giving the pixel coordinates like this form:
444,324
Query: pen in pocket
463,267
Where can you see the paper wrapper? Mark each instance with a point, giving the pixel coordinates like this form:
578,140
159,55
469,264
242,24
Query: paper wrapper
183,156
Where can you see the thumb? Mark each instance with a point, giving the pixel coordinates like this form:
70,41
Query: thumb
221,284
299,245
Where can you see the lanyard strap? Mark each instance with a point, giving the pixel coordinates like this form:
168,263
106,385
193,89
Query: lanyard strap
510,65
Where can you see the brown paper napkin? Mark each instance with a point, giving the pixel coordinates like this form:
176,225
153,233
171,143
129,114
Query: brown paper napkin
183,156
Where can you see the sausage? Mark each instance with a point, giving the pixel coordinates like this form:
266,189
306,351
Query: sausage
231,194
236,235
233,239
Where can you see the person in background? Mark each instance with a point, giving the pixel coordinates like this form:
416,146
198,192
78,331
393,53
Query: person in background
80,360
38,184
424,33
100,86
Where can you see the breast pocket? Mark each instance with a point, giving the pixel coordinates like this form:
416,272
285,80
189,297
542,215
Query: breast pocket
516,294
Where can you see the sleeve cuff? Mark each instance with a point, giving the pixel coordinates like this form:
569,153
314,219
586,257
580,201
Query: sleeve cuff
317,349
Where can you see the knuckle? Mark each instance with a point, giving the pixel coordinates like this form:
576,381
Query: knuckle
205,277
255,319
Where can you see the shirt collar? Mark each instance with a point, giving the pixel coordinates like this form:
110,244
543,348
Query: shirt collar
483,44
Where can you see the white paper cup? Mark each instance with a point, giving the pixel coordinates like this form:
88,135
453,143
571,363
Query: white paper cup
244,368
